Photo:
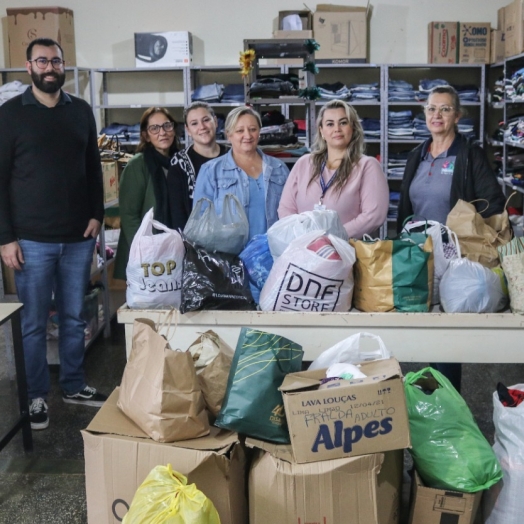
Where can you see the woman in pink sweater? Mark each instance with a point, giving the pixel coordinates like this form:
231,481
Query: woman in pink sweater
338,176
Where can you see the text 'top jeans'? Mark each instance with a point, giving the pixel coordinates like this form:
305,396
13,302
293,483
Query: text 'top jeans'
64,268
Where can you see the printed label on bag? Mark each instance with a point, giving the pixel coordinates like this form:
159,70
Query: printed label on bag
302,290
150,281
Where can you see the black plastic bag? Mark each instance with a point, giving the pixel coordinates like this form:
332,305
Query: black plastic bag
214,281
253,404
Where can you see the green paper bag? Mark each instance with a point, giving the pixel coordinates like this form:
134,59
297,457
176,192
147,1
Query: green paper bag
253,404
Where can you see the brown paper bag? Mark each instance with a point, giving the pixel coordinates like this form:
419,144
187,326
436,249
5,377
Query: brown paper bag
479,237
216,357
160,390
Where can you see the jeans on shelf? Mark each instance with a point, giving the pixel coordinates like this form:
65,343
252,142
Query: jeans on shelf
64,268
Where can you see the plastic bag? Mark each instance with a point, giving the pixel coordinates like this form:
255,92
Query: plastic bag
213,281
504,503
448,449
315,273
443,252
154,269
258,263
512,260
348,351
469,287
227,233
289,228
253,404
165,498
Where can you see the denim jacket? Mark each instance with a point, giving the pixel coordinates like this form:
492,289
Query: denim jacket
221,176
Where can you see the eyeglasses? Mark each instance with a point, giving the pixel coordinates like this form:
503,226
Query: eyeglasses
41,62
443,110
166,126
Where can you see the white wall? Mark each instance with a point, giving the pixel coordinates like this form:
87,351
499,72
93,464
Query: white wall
104,28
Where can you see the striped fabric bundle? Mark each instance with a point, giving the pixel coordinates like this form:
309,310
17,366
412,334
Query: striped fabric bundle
512,259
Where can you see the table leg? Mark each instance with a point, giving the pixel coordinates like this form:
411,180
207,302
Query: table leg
21,381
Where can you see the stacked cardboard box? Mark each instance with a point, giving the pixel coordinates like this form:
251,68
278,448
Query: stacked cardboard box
459,43
514,28
341,438
498,38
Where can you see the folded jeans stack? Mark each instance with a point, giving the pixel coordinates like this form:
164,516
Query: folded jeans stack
425,86
336,91
394,198
467,93
466,127
420,129
365,91
233,93
397,165
400,125
209,93
400,91
274,86
371,127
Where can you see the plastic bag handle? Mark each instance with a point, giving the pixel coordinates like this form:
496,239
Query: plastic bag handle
408,231
229,200
381,345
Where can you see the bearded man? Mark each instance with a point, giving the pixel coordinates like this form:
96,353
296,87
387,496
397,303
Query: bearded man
51,209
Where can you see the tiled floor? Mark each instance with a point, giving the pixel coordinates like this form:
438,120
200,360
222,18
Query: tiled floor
47,486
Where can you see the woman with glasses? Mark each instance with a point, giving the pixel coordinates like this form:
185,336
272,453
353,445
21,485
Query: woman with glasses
143,184
445,168
201,126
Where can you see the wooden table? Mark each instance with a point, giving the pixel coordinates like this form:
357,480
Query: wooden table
11,311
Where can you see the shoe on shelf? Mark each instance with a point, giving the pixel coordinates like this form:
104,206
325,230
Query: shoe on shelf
87,397
38,414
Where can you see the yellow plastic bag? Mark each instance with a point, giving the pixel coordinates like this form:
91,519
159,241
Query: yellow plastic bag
165,498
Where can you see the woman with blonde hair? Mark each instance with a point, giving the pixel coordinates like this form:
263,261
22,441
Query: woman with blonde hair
338,176
143,183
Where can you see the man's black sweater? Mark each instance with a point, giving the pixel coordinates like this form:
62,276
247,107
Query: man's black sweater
50,174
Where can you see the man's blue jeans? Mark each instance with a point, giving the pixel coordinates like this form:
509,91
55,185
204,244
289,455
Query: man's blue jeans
64,269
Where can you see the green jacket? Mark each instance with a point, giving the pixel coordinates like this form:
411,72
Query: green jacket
136,198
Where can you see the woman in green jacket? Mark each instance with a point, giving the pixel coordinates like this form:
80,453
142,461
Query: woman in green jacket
143,183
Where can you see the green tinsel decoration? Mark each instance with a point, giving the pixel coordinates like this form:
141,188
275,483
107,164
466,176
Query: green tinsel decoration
310,93
311,46
311,67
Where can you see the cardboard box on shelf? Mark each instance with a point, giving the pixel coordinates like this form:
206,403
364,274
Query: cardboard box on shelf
323,492
443,43
367,416
475,42
501,18
343,34
434,506
168,49
28,23
514,28
110,174
497,46
119,456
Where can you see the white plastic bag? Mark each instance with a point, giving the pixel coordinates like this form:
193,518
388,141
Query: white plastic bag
348,351
287,229
154,269
303,280
225,233
441,255
469,287
504,502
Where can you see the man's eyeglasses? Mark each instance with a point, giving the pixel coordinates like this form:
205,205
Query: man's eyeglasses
166,126
443,110
41,62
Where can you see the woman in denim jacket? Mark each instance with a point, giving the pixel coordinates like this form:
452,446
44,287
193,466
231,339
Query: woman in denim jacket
256,179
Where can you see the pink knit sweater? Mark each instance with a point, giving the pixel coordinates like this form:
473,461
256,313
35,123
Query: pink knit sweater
362,205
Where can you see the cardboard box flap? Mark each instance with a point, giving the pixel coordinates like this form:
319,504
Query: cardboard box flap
33,10
375,371
279,451
111,420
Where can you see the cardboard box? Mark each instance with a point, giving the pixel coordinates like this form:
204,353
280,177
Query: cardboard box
110,174
443,43
293,34
475,41
28,23
514,28
501,19
368,416
497,46
305,16
434,506
169,49
342,33
119,456
324,492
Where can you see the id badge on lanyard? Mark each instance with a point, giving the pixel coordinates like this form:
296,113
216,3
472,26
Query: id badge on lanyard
320,206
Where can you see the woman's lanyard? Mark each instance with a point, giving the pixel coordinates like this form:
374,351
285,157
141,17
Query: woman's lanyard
324,186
